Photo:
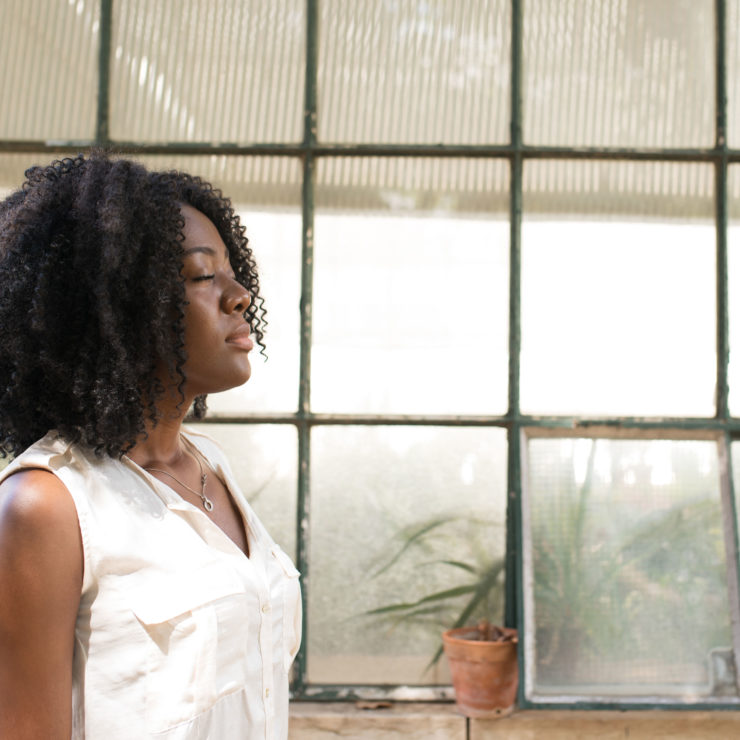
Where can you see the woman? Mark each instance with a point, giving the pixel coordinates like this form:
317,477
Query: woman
139,594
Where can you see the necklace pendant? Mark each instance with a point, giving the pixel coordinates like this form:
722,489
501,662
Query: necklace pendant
207,504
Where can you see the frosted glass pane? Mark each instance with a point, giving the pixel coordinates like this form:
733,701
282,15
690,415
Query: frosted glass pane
414,72
634,73
266,193
735,455
49,63
373,489
732,36
733,253
264,460
619,305
625,576
247,84
410,287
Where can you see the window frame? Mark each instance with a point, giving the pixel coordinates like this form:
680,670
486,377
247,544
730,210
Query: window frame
516,152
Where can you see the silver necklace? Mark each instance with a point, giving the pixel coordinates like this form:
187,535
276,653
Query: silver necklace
207,503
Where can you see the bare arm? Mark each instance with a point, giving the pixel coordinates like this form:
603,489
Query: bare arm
41,563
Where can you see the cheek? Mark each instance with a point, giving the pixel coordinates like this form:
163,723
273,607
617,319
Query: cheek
199,324
201,339
201,346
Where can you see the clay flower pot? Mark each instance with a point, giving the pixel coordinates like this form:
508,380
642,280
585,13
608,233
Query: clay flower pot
485,672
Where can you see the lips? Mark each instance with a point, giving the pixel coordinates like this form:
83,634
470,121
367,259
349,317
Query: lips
241,337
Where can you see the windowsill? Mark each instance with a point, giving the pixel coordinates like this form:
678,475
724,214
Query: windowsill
319,721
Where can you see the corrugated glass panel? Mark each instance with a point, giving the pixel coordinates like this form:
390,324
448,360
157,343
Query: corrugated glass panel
385,528
264,460
414,72
618,289
732,36
247,84
49,63
410,286
625,575
637,73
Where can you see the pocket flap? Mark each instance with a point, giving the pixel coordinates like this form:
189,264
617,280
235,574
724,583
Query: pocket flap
156,598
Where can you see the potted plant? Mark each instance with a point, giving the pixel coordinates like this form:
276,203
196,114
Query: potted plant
482,657
484,668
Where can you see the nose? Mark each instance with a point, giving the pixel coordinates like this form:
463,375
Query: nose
235,298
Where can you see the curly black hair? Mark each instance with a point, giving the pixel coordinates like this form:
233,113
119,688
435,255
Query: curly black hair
91,297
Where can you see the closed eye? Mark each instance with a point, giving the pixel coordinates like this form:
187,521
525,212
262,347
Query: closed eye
200,278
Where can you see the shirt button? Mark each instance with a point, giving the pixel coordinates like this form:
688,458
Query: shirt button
267,693
265,608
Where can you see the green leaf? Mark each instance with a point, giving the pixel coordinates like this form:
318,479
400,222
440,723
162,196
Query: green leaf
459,564
467,567
450,593
412,538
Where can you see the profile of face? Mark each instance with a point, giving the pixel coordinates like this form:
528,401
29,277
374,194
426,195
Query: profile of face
217,335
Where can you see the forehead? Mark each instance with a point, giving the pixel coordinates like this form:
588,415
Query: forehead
200,233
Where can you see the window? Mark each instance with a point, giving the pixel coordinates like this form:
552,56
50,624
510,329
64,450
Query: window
500,253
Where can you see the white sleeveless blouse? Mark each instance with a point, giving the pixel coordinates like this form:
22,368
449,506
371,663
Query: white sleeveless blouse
179,636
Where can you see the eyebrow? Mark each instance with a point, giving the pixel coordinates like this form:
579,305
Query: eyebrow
206,250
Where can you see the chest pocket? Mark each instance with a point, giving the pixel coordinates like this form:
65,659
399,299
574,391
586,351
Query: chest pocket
185,618
292,613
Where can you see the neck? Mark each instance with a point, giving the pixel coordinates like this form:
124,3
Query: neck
162,443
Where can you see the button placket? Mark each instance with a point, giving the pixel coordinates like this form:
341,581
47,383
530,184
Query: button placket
265,643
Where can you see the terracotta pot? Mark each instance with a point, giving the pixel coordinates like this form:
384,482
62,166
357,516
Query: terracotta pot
485,674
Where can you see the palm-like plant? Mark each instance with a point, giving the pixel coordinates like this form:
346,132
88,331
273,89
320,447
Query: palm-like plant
477,597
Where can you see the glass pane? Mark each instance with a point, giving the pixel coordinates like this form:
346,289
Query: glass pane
625,569
732,36
266,192
411,286
49,63
618,289
247,84
637,73
735,455
264,460
733,253
419,72
388,528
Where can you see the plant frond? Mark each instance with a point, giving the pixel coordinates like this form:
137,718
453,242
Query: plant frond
412,537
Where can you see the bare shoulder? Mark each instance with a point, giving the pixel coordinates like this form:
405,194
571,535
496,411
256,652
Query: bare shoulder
41,568
33,494
38,520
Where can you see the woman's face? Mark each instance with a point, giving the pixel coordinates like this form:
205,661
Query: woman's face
217,340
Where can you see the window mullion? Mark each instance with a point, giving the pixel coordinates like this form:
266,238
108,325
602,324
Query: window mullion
513,608
304,390
103,112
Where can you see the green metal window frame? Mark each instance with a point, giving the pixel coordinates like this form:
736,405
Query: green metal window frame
309,150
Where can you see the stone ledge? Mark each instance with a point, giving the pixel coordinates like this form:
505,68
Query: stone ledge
420,721
612,725
412,721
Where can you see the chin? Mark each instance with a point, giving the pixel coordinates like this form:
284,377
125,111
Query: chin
219,375
241,378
